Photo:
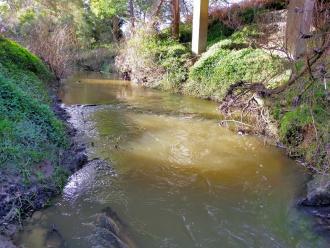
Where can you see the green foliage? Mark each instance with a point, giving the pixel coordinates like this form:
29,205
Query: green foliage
185,32
107,8
27,16
304,129
29,131
16,58
218,31
60,177
292,123
4,7
226,63
173,58
156,60
248,15
246,35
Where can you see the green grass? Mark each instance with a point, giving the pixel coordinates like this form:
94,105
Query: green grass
30,133
304,127
230,61
16,58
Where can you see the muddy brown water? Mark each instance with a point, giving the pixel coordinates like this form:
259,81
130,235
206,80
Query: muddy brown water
177,178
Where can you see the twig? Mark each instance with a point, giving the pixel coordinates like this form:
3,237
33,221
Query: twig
238,122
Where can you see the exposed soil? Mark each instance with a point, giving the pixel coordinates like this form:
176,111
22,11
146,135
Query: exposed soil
19,200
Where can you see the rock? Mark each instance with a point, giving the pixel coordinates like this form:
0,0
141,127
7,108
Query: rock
111,230
6,243
81,159
54,238
318,192
76,159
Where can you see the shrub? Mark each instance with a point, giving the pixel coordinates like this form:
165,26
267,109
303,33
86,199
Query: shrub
217,31
55,44
155,60
227,62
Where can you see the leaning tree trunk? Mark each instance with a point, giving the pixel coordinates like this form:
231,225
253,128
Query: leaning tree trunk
116,29
131,13
175,18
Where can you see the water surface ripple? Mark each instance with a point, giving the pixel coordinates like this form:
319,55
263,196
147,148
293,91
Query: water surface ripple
177,179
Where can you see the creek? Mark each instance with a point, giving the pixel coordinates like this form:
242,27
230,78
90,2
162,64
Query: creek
177,179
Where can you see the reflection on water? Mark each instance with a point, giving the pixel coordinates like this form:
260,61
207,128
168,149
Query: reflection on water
178,179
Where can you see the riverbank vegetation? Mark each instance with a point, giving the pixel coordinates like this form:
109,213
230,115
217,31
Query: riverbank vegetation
66,35
245,57
247,69
30,132
32,138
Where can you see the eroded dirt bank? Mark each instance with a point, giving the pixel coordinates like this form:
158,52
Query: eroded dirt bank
19,199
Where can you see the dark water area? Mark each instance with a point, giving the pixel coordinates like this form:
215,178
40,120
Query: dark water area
176,178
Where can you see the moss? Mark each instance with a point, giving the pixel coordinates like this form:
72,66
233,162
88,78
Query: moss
304,123
29,131
292,123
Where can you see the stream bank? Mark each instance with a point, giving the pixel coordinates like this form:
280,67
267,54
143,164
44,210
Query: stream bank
38,150
28,198
236,60
168,189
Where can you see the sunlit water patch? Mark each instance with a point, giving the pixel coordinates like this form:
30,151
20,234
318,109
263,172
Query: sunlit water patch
176,178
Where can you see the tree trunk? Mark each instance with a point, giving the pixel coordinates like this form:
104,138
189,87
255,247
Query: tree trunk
115,28
175,18
131,13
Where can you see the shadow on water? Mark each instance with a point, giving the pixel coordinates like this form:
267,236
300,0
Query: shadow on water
176,178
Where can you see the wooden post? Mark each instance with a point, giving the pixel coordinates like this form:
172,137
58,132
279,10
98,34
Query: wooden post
200,23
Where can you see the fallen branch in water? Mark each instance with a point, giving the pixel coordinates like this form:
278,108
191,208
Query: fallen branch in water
237,122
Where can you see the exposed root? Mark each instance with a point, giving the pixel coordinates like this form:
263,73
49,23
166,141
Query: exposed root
243,106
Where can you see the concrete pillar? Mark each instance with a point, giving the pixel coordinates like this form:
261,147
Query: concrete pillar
200,23
299,22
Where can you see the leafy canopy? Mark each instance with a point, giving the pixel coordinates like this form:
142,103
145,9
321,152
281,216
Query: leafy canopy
108,8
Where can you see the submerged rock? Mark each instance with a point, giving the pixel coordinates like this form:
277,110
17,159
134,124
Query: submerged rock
54,239
317,203
318,192
111,231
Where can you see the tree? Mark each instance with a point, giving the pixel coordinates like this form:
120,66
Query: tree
175,18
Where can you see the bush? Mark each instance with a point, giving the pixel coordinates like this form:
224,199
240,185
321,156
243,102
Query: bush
230,61
155,60
217,31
